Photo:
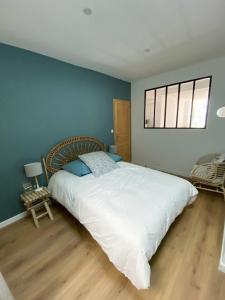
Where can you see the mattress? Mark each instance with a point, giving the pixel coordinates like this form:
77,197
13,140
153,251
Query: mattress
127,211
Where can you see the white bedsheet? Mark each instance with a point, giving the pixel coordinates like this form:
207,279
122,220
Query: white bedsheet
127,211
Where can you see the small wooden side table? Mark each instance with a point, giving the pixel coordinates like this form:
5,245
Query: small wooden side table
36,200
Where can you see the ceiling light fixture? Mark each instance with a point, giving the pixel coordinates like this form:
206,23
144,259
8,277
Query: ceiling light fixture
87,11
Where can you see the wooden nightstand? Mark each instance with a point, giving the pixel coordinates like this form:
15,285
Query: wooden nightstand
37,200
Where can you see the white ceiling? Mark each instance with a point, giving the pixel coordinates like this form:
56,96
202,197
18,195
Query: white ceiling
112,40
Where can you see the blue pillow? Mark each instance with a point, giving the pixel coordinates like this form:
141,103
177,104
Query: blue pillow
115,157
77,167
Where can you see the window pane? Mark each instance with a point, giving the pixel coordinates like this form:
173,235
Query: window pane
149,108
200,103
185,104
160,107
171,106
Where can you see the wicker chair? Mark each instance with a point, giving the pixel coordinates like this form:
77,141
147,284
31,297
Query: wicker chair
209,174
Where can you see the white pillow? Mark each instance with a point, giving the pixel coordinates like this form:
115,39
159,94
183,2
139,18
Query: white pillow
99,162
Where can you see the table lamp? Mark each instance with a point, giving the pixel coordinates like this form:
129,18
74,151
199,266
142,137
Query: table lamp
34,170
113,149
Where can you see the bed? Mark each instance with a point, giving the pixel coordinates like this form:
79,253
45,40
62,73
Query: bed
127,211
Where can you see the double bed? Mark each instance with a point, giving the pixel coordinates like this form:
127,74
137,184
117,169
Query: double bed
127,211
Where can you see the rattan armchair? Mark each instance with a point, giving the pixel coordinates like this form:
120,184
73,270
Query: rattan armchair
209,175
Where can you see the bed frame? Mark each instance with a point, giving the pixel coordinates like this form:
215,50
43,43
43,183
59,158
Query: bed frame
67,151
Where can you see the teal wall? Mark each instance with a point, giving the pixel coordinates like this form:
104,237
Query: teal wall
176,150
43,101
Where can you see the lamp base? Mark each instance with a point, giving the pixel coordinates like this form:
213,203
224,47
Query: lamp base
38,189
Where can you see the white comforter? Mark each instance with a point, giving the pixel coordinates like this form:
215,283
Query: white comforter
127,211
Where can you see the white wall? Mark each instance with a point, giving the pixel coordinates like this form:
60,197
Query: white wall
176,150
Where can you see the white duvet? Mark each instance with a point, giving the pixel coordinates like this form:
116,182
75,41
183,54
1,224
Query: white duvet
127,211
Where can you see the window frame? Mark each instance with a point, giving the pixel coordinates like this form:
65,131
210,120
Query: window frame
178,100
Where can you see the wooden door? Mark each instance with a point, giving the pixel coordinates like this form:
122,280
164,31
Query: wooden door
122,127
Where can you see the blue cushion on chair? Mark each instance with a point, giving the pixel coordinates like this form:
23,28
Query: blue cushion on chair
77,167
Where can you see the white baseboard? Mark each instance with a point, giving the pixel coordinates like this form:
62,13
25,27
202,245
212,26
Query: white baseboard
13,219
222,267
5,292
222,256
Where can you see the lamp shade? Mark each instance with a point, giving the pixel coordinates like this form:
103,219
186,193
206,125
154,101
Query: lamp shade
113,149
221,112
33,169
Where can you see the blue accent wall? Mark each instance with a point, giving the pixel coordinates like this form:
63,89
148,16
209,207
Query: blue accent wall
43,101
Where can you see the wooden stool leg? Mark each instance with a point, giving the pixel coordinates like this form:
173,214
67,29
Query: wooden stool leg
48,210
223,193
35,217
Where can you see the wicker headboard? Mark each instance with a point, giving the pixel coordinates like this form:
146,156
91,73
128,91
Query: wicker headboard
68,150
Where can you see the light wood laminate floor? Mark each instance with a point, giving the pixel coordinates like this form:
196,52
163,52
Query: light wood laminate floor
62,261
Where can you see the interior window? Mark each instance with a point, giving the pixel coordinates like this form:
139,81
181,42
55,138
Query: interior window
180,105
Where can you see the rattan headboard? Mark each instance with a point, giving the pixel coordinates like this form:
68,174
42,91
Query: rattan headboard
68,150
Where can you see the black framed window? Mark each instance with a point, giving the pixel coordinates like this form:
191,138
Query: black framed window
178,105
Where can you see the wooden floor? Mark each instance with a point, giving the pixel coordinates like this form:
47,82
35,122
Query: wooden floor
61,260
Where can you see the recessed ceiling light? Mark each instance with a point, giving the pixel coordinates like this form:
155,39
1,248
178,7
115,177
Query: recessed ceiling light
87,11
147,50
